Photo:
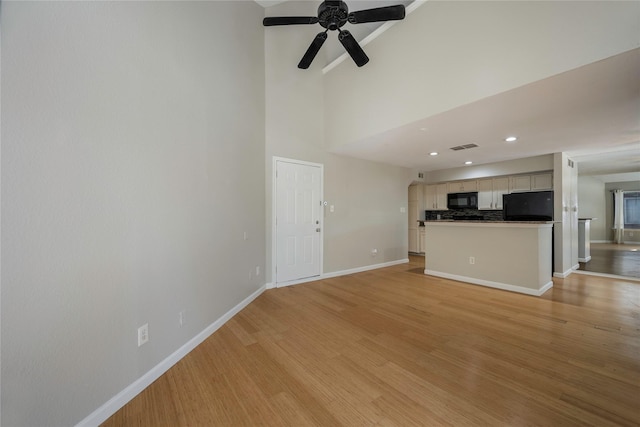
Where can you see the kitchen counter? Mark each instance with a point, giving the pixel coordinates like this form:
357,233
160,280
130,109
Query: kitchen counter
484,222
584,239
509,255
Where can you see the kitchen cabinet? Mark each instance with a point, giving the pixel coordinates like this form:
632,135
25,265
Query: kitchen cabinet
543,181
463,186
490,192
520,183
537,182
435,196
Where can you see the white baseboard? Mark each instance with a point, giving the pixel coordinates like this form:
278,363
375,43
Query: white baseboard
587,259
628,242
564,275
491,284
101,414
339,273
610,276
365,268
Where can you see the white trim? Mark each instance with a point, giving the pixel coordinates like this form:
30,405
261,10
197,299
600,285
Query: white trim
344,272
611,276
109,408
563,275
373,35
491,284
298,281
274,242
365,268
587,259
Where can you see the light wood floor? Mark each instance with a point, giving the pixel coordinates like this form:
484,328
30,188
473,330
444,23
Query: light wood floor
395,347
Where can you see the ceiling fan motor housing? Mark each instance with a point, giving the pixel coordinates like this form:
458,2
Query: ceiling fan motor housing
333,14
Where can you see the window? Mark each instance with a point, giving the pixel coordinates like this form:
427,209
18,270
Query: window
631,209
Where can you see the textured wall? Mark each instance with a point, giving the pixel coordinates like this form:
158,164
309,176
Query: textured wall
591,204
367,196
132,165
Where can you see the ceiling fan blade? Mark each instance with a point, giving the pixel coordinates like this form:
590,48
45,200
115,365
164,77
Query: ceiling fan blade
311,53
354,49
388,13
289,20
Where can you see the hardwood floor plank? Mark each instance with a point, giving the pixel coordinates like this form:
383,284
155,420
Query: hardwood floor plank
612,258
393,347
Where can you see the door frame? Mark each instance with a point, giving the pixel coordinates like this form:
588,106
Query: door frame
274,240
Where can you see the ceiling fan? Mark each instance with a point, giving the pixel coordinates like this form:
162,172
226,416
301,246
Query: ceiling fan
332,15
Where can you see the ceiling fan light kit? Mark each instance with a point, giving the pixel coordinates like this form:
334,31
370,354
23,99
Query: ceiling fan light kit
332,15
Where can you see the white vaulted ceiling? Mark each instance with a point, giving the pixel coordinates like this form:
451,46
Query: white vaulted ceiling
591,112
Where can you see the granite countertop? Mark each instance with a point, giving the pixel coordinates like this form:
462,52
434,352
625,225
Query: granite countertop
491,222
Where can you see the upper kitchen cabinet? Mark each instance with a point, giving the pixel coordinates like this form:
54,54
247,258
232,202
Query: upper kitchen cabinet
520,183
435,197
543,181
490,192
463,186
537,182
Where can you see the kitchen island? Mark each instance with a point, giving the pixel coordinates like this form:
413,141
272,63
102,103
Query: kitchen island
510,255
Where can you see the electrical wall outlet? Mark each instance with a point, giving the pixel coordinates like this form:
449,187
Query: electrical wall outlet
472,260
257,270
143,334
374,252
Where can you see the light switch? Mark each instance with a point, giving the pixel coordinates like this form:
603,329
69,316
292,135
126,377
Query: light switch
403,210
331,208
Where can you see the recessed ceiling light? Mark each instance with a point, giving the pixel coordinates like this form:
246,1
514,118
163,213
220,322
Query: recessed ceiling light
468,162
511,139
434,153
423,129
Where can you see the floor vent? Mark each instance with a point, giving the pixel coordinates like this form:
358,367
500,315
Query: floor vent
463,147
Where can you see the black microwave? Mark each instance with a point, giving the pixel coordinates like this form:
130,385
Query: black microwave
462,200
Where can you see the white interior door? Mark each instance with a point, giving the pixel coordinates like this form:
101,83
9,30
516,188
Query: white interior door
298,227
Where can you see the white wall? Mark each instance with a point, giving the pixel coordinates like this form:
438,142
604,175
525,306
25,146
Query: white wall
498,46
367,196
132,163
565,231
591,204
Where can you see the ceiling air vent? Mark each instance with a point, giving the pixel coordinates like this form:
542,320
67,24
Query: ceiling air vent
463,147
